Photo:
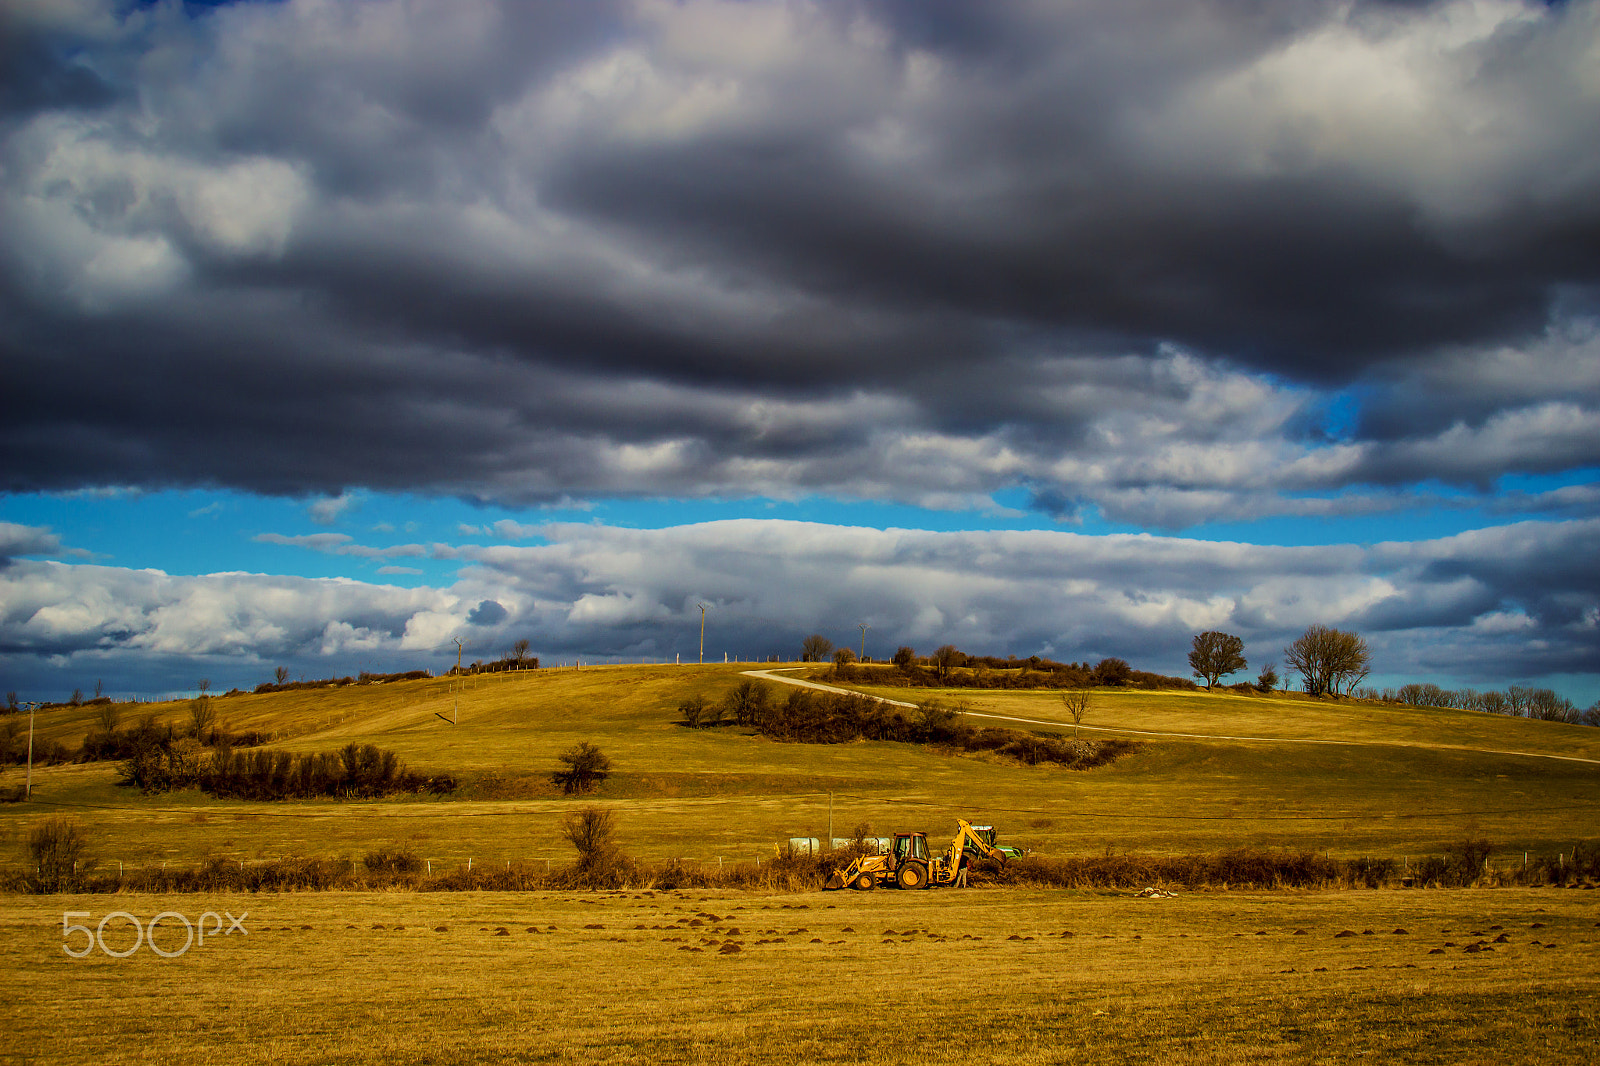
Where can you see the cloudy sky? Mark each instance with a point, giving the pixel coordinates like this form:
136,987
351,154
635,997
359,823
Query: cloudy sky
334,331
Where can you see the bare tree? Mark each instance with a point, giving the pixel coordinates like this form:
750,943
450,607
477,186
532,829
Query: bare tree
1216,654
904,656
592,831
815,649
519,651
945,659
1329,660
202,717
281,675
1076,703
842,658
108,717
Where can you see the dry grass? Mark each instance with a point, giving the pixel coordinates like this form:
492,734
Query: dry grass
977,976
1397,782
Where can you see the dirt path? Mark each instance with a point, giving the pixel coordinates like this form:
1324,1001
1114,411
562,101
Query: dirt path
774,675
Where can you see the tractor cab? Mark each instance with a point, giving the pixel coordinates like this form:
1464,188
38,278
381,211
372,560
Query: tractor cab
910,846
986,833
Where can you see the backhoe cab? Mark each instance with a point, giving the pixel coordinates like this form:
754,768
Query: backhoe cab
910,864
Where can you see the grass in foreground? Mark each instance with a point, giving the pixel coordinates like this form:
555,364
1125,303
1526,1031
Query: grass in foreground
980,976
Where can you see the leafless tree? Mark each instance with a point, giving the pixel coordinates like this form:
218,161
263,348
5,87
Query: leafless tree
202,717
1076,703
1216,654
945,659
1329,660
281,675
108,717
815,649
519,651
592,831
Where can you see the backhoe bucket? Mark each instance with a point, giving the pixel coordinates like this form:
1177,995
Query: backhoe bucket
833,882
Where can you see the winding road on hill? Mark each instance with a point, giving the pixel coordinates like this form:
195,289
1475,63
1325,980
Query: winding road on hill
776,675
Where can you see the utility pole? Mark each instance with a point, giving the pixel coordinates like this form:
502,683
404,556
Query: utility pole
27,792
455,712
702,633
864,628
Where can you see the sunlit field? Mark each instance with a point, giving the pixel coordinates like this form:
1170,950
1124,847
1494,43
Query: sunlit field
1465,976
1346,778
986,974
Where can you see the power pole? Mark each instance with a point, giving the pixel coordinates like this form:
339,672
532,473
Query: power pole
702,633
455,713
864,628
27,792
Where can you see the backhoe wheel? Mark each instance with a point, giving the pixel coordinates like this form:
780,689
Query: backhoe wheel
913,875
866,882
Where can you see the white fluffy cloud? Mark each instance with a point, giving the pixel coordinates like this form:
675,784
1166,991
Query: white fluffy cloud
1491,606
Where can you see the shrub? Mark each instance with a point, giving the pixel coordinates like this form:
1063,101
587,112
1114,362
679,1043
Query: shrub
56,847
592,832
747,703
1112,673
587,767
692,710
391,860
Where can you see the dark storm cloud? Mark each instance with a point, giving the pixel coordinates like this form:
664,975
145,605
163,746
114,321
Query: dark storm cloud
1118,254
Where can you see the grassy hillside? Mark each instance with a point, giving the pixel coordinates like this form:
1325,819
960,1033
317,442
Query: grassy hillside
1349,778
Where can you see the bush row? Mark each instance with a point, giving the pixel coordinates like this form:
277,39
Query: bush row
357,771
993,673
364,678
403,869
111,743
813,717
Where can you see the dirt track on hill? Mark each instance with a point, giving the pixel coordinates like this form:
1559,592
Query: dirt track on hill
774,675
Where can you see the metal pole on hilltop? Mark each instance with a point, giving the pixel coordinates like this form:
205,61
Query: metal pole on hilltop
702,633
27,792
455,713
864,628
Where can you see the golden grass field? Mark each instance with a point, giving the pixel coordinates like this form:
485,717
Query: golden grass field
1207,977
967,976
1381,781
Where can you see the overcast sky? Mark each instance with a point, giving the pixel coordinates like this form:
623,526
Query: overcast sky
334,331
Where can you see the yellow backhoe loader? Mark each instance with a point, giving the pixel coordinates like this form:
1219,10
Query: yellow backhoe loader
911,865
